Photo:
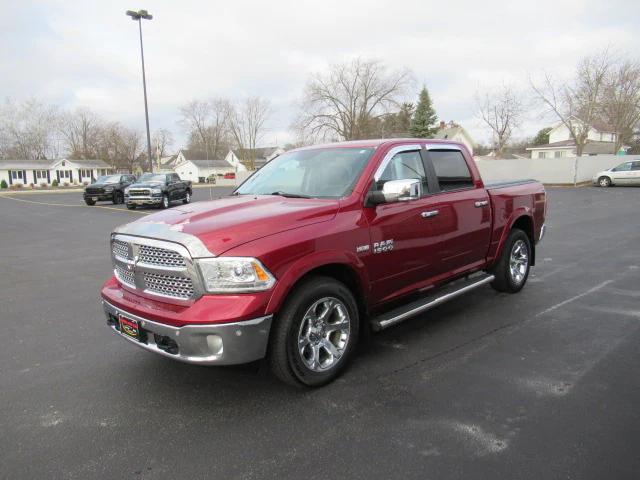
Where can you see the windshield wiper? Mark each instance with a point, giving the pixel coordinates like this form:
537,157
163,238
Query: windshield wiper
290,195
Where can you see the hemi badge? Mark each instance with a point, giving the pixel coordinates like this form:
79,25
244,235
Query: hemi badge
362,248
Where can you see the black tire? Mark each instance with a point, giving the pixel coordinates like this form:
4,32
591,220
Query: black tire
604,181
505,278
91,203
118,198
285,358
187,198
131,206
165,201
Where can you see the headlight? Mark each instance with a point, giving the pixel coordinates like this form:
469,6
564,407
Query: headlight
108,189
234,274
126,191
156,191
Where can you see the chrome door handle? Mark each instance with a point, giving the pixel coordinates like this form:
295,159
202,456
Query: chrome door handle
482,203
430,213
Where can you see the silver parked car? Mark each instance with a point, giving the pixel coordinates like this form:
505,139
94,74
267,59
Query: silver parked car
627,173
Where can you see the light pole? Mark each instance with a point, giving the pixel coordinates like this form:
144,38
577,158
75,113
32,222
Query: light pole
138,16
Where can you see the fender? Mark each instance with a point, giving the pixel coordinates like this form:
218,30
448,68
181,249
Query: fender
513,218
304,265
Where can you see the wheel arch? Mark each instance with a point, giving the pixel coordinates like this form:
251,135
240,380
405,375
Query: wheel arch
522,220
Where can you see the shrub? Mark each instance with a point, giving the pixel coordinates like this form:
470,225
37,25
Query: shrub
18,185
65,184
43,184
3,184
85,183
55,182
32,185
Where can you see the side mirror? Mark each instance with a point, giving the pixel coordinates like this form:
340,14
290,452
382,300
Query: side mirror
396,191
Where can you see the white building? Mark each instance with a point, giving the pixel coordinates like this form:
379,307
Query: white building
190,167
44,172
454,132
252,158
600,141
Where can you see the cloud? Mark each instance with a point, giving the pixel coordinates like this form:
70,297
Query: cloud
78,53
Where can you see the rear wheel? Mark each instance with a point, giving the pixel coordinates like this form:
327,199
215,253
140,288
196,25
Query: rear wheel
187,198
512,270
165,201
604,182
314,336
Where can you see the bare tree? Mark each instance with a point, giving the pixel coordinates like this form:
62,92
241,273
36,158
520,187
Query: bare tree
347,101
80,131
621,100
205,121
162,139
501,110
577,104
27,130
246,123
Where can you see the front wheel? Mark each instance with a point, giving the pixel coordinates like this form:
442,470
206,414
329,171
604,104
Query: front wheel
89,202
118,197
314,336
165,202
187,198
131,206
512,270
604,182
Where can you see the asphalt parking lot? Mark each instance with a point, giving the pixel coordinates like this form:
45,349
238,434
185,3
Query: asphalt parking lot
542,384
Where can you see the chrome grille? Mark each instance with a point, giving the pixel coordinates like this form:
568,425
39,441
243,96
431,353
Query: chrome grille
120,249
169,285
95,191
160,256
155,267
138,192
125,275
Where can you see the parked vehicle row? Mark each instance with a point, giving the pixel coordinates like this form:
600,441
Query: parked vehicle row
151,189
316,247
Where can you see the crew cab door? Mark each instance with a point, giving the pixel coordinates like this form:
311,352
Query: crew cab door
464,204
403,240
623,174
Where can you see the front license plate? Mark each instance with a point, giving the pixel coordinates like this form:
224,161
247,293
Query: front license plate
130,328
95,199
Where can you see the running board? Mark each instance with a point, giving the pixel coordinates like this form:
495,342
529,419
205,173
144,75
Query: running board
442,295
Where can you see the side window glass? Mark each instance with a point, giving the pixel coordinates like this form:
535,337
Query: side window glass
451,169
636,165
404,166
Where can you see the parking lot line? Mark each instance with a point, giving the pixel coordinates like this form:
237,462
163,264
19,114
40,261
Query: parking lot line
77,206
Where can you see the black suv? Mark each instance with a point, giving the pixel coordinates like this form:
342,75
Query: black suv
108,187
157,189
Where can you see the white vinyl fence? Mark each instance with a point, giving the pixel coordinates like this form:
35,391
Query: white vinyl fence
560,171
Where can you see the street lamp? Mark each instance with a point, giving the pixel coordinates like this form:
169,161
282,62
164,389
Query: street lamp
138,16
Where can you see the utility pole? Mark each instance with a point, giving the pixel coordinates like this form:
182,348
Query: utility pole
138,17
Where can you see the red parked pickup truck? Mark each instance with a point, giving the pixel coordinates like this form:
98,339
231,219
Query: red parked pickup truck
317,246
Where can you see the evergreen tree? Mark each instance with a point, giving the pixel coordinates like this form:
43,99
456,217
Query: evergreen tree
423,123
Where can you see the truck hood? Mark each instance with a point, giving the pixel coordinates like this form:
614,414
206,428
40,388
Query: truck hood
146,185
231,221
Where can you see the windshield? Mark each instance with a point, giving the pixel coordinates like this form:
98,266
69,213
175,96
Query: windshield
108,179
323,173
152,177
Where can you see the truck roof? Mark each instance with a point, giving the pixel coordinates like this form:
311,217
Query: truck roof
374,143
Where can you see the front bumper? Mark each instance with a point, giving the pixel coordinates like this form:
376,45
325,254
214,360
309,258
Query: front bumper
146,200
98,196
202,344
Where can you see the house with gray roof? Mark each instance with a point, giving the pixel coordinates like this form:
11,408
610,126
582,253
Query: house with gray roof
190,166
44,172
454,132
252,158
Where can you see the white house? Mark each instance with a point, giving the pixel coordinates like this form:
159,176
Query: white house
189,167
246,158
600,140
41,172
454,132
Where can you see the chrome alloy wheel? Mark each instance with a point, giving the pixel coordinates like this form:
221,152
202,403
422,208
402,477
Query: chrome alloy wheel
519,261
324,334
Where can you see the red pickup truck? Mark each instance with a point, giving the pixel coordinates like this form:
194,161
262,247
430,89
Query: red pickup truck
320,244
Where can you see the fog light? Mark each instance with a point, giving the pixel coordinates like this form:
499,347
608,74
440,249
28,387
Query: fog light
215,344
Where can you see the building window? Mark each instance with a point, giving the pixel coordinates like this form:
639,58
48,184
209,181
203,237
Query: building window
16,174
41,174
560,154
542,154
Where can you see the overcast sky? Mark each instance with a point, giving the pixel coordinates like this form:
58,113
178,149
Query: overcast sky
84,53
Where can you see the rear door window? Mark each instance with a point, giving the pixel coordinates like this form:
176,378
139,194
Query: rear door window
451,169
